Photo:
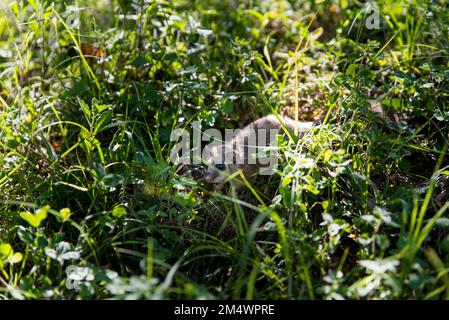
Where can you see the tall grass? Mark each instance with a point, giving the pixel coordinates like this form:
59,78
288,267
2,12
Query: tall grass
92,207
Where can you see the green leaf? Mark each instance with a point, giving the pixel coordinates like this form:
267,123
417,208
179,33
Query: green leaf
327,155
36,219
101,107
14,8
62,251
140,62
15,258
89,141
334,97
442,223
226,106
25,235
204,32
5,250
351,69
34,5
312,189
118,211
125,4
112,180
396,103
85,109
104,120
65,214
7,254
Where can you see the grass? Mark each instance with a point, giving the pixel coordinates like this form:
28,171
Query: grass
92,208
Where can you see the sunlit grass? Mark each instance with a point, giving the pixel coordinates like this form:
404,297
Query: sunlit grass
91,91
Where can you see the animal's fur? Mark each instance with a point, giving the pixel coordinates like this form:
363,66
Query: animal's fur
242,147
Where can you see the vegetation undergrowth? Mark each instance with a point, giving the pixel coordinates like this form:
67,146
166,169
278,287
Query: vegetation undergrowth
91,206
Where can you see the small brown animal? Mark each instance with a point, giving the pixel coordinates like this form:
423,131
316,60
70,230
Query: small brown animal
243,151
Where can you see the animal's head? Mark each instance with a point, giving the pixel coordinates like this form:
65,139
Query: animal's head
219,160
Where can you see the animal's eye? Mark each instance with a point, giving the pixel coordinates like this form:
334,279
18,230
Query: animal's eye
220,166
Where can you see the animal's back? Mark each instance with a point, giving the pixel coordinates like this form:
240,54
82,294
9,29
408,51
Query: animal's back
271,122
247,143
